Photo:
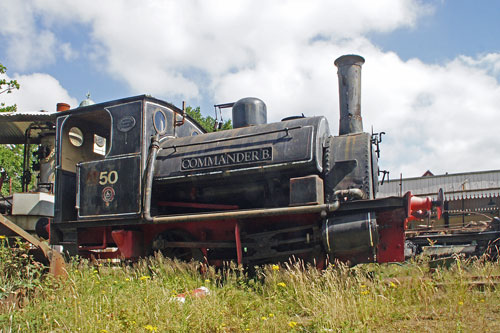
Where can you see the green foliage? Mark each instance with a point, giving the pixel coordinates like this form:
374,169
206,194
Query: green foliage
208,123
18,269
7,86
11,156
105,297
11,159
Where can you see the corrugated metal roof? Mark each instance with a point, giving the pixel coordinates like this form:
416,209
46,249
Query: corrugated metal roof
478,184
13,125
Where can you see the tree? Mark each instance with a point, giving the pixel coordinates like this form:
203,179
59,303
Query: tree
208,123
11,156
11,160
7,87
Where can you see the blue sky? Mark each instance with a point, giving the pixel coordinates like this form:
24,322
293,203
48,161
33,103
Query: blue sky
458,27
430,80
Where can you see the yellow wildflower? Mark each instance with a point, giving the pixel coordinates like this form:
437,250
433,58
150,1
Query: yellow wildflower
271,315
207,281
104,331
482,301
276,268
127,279
282,284
264,318
145,277
363,286
365,292
292,324
460,303
393,285
151,328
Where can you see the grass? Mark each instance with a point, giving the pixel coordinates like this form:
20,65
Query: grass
286,298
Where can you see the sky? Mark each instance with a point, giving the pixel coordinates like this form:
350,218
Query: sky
430,80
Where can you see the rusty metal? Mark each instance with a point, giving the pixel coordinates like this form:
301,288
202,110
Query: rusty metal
473,239
349,73
354,193
57,263
178,123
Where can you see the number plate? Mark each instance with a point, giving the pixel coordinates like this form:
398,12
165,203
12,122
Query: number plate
109,187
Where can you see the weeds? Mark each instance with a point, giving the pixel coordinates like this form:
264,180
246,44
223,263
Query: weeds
19,273
106,297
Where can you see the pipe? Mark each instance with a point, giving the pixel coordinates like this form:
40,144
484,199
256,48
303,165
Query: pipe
355,193
150,168
249,213
178,123
349,73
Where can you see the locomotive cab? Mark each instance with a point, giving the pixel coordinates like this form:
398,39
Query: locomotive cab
101,154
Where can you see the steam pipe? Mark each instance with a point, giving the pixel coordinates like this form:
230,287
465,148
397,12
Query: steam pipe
351,193
249,213
150,168
349,73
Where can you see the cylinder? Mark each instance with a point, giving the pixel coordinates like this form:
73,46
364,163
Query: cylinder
349,73
249,111
354,234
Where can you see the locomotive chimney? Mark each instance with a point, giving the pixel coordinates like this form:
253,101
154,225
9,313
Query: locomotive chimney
349,72
62,107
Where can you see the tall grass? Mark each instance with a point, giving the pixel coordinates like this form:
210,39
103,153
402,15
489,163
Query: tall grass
141,298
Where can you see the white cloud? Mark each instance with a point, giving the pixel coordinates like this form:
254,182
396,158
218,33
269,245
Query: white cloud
27,47
437,117
158,45
38,92
442,118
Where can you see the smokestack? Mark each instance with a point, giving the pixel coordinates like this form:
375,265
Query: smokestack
349,72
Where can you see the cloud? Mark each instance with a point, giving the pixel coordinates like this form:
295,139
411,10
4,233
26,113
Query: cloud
27,46
441,118
163,46
438,117
38,91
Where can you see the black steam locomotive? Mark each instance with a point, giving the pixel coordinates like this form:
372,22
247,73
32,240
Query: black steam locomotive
137,175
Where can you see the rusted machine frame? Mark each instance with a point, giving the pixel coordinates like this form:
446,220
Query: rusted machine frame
56,260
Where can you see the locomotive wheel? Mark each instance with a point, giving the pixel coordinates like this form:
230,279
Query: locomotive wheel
181,253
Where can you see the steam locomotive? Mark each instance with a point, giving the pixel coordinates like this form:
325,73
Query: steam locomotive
138,175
